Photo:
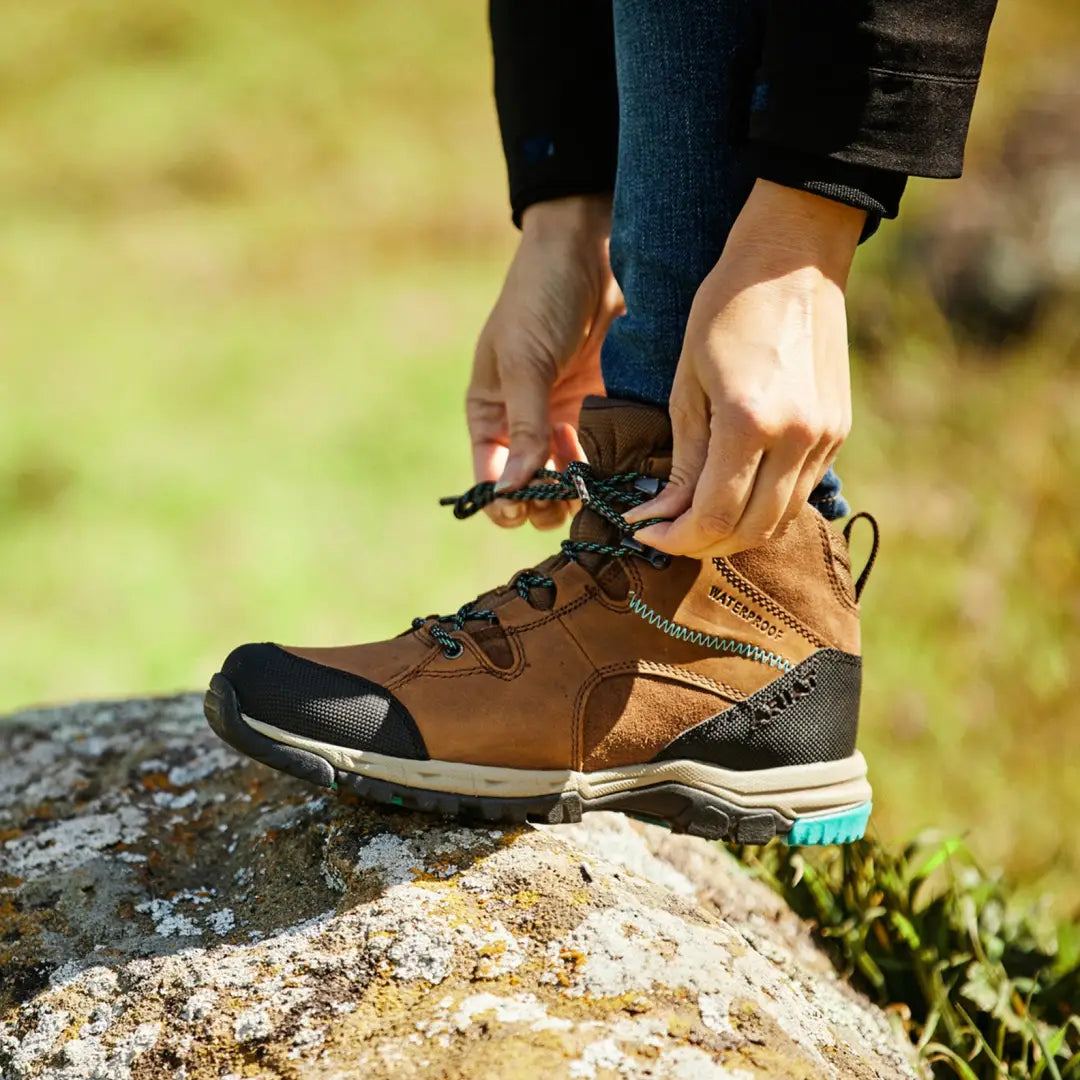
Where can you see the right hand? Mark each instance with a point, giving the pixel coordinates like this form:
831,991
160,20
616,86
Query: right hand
538,356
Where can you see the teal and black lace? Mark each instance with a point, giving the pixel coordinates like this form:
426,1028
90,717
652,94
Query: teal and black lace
609,497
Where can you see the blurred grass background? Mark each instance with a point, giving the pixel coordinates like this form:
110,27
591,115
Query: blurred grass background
245,250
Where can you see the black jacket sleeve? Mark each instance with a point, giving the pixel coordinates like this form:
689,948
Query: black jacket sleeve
851,96
556,97
886,84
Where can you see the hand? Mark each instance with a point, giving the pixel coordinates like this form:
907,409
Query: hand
538,355
762,397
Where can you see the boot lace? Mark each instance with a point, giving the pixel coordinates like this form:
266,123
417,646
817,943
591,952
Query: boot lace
609,496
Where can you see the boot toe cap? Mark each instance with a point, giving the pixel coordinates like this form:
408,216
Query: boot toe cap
321,703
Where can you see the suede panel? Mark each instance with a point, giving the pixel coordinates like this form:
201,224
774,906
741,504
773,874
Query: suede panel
629,718
804,570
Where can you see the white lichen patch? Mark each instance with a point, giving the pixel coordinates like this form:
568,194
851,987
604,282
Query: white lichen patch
199,1005
167,800
715,1010
621,849
222,921
617,950
168,922
252,1024
63,846
215,758
497,951
522,1009
305,1040
391,857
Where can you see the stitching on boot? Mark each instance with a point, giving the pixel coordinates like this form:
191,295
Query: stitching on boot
729,646
768,603
512,632
675,674
830,566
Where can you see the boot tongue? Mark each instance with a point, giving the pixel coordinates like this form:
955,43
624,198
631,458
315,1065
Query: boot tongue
625,436
619,436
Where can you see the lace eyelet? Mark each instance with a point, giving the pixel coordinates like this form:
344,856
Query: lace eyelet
454,651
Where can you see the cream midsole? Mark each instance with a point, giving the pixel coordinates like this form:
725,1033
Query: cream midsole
791,790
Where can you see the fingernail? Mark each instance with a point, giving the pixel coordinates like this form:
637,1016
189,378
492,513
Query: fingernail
639,512
507,482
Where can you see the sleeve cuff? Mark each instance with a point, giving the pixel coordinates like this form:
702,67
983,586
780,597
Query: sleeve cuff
877,191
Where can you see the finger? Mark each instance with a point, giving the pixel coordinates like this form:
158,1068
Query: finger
778,476
548,515
489,461
817,464
609,307
527,389
690,450
720,495
545,514
567,446
486,420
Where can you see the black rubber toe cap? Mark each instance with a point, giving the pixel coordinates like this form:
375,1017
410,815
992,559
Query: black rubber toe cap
321,703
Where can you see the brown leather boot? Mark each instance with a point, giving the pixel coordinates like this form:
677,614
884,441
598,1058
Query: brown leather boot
720,697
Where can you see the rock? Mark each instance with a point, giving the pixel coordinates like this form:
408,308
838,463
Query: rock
171,910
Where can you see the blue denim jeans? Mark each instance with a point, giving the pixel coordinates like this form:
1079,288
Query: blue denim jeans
679,185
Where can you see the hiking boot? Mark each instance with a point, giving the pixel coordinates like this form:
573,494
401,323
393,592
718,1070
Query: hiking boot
720,697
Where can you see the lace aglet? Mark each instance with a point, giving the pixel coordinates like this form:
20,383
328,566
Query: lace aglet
582,490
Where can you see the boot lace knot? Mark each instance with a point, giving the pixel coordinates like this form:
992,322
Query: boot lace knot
609,497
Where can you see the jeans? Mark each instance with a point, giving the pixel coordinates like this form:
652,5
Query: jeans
683,67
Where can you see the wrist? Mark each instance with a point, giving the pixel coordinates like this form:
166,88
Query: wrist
783,229
579,216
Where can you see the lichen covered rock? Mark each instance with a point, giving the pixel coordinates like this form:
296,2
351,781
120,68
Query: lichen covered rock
171,910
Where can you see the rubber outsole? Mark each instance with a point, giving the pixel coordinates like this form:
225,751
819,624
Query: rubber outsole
681,808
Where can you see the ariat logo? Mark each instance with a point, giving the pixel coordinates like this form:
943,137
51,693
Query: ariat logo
771,709
744,611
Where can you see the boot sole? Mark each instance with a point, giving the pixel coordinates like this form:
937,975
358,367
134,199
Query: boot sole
827,803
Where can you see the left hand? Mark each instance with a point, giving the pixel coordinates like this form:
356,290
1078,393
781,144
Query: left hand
762,398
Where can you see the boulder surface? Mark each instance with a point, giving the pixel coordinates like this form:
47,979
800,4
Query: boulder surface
169,909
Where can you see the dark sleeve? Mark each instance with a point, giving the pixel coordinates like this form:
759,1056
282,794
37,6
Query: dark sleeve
854,96
556,97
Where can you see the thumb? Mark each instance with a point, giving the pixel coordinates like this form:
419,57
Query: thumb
527,389
690,434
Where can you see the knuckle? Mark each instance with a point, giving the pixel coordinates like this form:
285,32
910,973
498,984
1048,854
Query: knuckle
681,410
524,431
803,429
748,417
757,537
716,524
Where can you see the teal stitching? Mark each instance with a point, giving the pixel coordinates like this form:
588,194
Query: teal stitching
708,641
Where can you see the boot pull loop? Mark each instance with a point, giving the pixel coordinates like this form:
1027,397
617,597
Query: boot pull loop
861,583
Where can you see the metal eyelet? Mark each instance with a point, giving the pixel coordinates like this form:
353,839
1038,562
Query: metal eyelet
454,652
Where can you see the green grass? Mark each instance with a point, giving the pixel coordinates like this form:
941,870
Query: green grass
245,250
983,986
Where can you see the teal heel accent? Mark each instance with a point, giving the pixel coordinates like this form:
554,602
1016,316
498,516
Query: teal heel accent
840,828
